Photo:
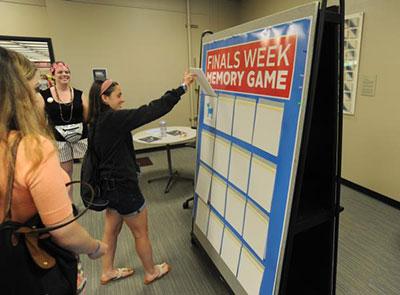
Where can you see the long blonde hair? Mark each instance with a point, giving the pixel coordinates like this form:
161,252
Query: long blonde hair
18,108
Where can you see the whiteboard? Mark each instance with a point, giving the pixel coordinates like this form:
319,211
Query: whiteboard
249,139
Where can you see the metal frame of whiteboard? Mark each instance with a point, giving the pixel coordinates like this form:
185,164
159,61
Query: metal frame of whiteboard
306,12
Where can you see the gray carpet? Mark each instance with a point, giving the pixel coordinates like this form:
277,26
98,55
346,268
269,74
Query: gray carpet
169,227
369,246
369,241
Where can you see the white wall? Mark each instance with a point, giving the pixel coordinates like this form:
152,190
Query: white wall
371,141
143,44
24,19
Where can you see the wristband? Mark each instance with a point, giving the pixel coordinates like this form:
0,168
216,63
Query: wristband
184,86
97,249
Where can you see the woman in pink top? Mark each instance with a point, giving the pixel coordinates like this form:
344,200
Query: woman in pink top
39,184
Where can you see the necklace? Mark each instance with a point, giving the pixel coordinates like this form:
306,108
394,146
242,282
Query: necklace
70,104
60,100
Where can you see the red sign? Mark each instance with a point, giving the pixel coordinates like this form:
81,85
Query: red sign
263,67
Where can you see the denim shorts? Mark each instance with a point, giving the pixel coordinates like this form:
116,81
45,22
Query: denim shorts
125,198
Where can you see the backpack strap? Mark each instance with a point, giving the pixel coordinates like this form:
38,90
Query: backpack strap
11,176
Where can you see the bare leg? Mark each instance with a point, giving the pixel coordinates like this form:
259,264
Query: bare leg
68,167
112,228
138,226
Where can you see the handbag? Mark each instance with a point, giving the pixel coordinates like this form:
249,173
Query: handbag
72,133
30,262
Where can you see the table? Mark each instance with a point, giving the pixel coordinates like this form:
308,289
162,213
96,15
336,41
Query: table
175,135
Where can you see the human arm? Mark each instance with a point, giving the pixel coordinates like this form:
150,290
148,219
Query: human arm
46,184
85,105
127,120
75,238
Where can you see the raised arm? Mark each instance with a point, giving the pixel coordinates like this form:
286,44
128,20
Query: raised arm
134,118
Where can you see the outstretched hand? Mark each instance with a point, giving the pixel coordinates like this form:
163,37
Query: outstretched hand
188,78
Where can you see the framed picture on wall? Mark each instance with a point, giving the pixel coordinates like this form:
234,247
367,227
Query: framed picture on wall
37,50
352,45
99,74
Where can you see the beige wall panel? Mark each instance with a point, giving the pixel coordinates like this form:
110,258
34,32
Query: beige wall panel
24,20
371,141
253,9
143,44
142,49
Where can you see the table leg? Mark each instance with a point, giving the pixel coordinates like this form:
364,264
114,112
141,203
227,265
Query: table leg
172,176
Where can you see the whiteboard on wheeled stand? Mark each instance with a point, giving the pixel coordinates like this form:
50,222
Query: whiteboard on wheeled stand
248,144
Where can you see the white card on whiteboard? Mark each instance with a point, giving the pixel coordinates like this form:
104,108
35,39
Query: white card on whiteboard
202,80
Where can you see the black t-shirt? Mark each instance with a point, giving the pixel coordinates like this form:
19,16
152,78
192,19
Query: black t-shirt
60,114
113,142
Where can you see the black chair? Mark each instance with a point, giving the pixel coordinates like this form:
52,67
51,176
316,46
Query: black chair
185,204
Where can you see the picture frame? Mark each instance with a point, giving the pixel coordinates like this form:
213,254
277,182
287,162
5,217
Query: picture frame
352,45
99,74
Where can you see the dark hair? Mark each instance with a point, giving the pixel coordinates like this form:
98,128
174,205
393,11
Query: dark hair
96,104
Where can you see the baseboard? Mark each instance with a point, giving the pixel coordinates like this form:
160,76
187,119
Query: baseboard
371,193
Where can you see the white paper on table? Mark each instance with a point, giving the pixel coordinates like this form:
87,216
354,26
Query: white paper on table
202,80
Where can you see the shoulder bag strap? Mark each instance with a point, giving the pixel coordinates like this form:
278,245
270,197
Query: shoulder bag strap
9,191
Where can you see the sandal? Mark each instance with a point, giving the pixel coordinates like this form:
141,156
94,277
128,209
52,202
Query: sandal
121,273
161,269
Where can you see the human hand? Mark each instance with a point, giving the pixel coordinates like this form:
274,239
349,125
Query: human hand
188,78
100,250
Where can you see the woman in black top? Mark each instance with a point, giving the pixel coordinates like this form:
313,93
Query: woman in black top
66,109
112,142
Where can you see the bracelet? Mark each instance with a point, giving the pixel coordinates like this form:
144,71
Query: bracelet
97,249
184,86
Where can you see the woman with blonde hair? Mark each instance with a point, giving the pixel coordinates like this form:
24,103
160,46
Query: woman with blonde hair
66,108
39,181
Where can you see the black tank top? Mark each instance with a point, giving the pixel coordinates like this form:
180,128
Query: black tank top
64,115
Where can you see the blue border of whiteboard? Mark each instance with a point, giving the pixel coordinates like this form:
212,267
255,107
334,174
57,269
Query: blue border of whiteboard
290,131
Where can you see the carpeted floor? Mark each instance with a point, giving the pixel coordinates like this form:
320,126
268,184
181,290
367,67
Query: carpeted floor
369,241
